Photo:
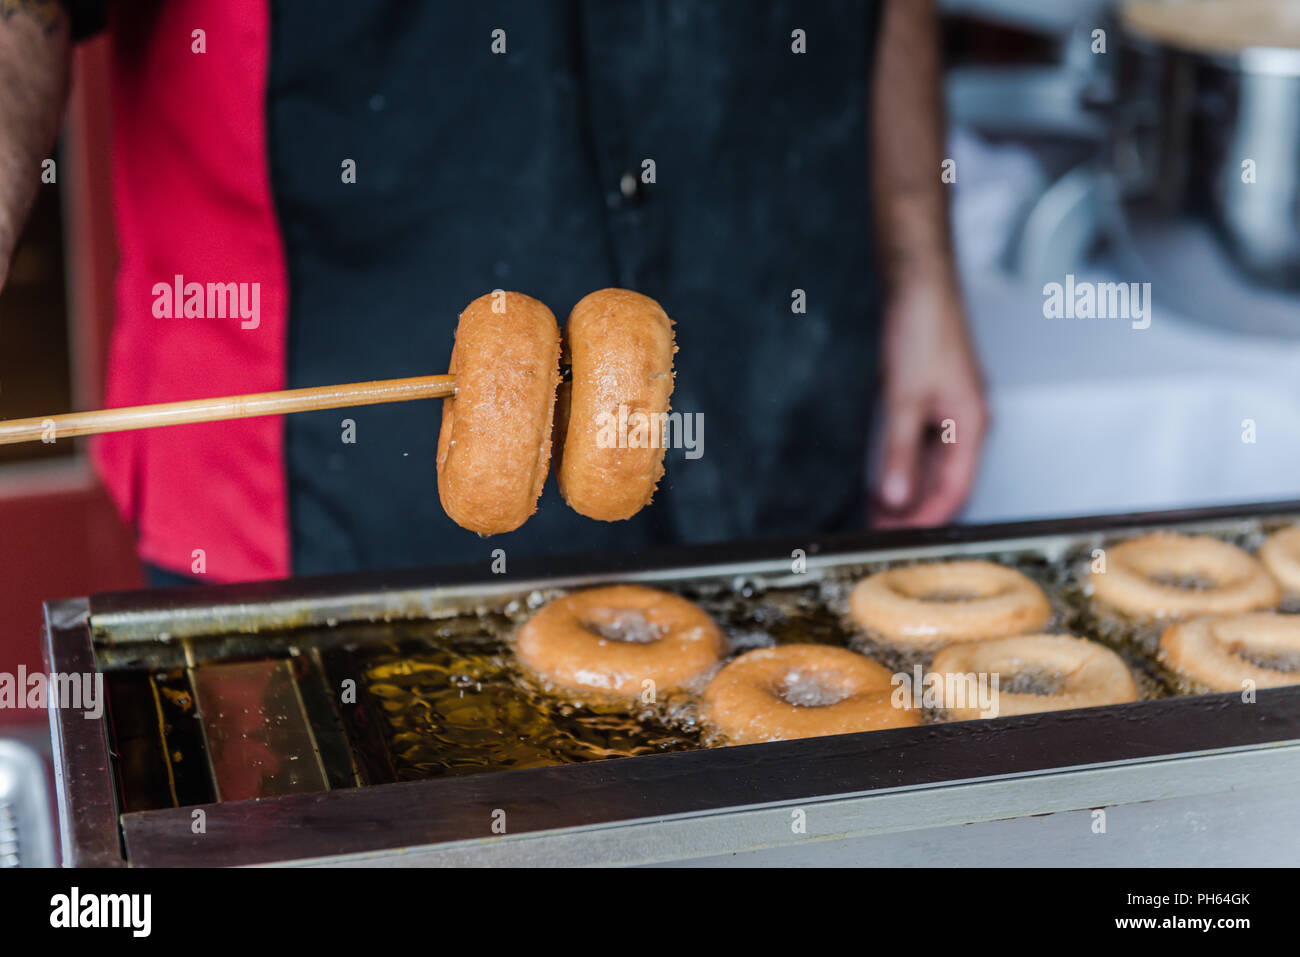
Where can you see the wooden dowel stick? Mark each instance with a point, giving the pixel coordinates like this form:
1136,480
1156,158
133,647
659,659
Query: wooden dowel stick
226,407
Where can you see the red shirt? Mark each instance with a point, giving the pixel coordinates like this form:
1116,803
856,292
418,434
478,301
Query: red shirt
192,197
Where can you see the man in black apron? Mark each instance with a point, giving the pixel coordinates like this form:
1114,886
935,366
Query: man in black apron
716,156
771,173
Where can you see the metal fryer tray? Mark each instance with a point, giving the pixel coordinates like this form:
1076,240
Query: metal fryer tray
385,817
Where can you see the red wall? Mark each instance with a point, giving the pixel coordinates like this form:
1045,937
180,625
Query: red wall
59,535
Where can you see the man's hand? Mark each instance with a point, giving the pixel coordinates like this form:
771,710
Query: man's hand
33,85
935,412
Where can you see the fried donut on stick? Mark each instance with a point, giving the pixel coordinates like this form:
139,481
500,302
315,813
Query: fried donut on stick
494,448
620,347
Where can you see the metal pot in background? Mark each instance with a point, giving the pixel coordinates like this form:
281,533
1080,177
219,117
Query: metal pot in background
1194,118
26,825
1142,149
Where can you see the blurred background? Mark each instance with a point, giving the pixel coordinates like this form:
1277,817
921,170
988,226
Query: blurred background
1118,164
1126,166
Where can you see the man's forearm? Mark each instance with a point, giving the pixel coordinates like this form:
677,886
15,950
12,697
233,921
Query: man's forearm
33,85
907,130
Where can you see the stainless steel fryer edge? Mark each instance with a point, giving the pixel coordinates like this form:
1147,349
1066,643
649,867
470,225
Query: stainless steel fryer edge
186,612
915,822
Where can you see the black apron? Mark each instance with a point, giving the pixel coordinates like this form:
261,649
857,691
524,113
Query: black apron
523,170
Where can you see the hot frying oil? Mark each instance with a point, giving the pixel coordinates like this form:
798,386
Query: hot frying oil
458,705
447,697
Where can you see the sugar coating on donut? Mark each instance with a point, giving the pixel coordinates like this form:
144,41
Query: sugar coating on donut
1234,652
494,447
802,691
1042,672
1280,554
1170,575
620,349
621,640
941,602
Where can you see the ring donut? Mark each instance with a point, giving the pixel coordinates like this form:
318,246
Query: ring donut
620,346
1280,554
611,640
1035,673
1216,652
1167,575
801,691
494,448
943,602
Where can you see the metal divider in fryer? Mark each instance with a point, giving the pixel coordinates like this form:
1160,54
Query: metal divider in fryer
259,738
226,730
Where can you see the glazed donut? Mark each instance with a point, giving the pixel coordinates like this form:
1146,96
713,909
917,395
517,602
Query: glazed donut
494,449
801,691
1132,582
1280,554
620,347
921,606
1079,674
608,641
1213,652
